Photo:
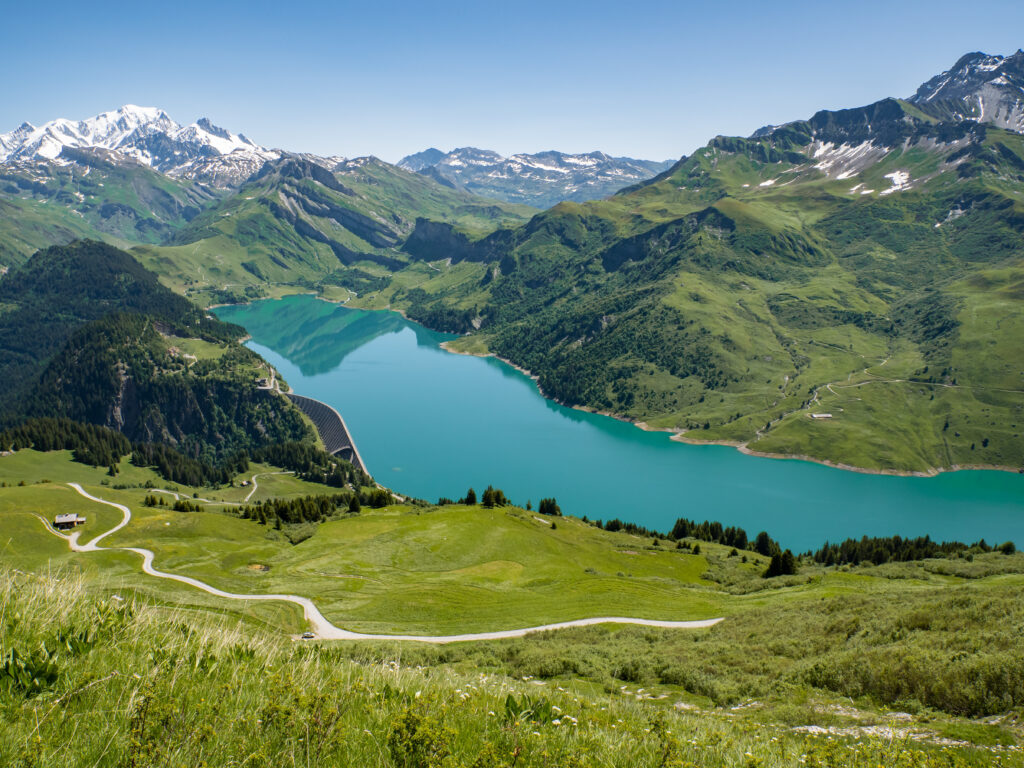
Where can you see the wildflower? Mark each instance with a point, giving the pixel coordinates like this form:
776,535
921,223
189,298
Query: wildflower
556,722
417,694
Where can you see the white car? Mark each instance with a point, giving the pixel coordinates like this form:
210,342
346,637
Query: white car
308,636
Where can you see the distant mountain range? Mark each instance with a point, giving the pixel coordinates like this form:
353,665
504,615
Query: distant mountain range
215,157
726,295
541,179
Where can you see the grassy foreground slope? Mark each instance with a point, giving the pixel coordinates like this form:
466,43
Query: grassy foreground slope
180,688
914,664
891,633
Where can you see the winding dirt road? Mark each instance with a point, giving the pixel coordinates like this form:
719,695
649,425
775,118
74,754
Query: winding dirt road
262,474
323,628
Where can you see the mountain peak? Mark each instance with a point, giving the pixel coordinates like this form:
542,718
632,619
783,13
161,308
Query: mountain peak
206,125
146,135
979,86
421,160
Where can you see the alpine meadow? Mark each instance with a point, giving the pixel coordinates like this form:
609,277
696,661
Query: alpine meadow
474,459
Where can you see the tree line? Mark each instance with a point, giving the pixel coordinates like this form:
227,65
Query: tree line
89,444
312,464
314,509
99,446
175,466
897,549
495,497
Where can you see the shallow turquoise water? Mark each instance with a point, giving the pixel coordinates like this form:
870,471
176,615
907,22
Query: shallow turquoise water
430,423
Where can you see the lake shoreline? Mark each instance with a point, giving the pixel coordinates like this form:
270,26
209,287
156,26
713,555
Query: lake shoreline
678,435
389,374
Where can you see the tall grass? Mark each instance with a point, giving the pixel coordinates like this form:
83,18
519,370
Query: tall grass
140,685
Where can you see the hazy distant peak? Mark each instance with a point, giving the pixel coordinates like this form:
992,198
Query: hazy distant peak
539,179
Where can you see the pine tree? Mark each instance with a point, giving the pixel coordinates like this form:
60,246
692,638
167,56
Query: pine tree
783,564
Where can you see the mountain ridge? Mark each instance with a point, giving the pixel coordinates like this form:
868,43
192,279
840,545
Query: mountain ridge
541,179
147,135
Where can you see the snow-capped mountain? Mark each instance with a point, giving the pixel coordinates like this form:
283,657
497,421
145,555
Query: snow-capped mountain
989,89
541,179
147,135
947,118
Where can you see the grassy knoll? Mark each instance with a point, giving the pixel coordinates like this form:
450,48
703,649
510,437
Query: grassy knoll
445,571
56,467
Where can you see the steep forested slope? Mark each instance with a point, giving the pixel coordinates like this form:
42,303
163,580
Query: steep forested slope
90,335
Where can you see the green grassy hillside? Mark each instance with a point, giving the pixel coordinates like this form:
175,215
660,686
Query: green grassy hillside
901,664
812,269
92,193
298,223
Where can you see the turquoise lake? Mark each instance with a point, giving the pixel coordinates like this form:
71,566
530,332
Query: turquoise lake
429,423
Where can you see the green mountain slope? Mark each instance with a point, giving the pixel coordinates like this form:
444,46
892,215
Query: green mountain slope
865,263
93,193
300,223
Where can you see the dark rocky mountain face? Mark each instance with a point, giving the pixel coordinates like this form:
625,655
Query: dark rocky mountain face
989,89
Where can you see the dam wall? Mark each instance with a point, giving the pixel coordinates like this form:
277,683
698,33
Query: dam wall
331,427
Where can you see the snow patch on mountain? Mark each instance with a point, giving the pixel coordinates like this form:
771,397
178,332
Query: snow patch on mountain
900,181
845,160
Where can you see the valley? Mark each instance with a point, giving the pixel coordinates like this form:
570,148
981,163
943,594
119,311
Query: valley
719,299
467,421
573,376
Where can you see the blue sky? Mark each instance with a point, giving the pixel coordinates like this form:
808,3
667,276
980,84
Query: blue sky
647,79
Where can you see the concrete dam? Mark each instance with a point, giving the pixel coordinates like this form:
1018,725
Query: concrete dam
331,428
